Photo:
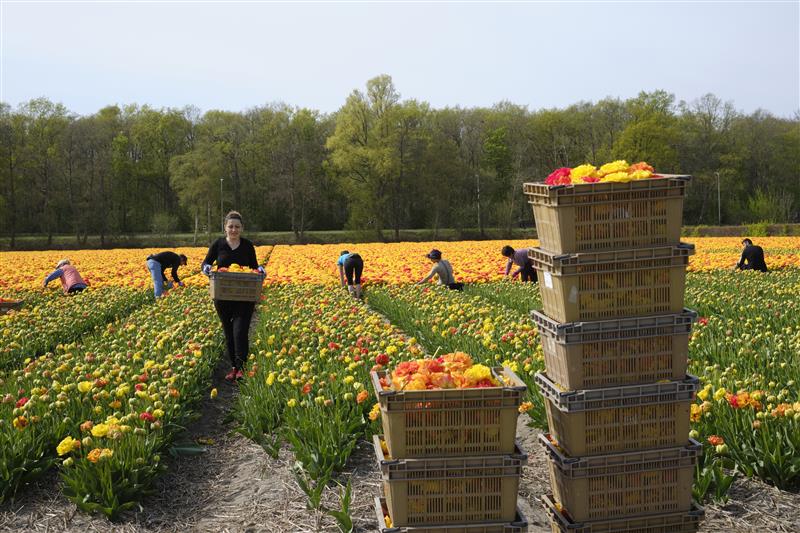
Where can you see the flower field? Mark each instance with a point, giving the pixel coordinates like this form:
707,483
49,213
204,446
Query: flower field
98,386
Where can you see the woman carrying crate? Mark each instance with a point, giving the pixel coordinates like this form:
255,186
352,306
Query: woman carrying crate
234,315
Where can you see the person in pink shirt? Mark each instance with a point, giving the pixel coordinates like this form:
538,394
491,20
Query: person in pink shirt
71,280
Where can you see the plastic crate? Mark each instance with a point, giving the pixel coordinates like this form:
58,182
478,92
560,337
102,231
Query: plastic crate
676,522
608,216
618,419
606,353
10,305
623,484
451,490
607,285
518,525
447,422
235,286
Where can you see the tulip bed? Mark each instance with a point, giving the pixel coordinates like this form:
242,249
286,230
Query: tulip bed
449,321
308,382
98,384
58,319
746,348
109,404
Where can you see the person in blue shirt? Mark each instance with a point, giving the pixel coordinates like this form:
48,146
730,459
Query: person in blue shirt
350,267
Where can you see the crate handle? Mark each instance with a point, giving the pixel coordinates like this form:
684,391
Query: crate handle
381,523
376,384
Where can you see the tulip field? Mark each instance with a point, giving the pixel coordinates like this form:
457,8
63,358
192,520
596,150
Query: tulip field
97,387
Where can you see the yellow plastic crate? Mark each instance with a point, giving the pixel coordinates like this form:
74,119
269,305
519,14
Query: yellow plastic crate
608,216
518,525
675,522
451,490
619,485
447,422
235,286
607,353
10,305
618,419
609,285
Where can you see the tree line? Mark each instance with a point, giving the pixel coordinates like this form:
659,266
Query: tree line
377,165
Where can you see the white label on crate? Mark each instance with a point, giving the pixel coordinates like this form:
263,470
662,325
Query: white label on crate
548,280
573,295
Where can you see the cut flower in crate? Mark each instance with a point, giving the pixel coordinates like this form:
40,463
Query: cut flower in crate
450,371
616,171
238,269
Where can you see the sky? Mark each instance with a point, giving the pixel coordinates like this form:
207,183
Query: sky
238,55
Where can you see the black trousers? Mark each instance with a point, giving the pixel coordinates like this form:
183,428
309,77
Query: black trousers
528,273
353,266
235,318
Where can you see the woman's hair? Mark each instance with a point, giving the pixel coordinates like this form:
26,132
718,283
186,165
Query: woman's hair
234,215
507,251
343,252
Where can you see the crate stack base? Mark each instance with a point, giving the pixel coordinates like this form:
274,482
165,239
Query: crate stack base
672,522
615,336
448,458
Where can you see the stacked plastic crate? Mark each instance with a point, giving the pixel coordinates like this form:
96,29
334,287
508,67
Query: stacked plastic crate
614,331
449,459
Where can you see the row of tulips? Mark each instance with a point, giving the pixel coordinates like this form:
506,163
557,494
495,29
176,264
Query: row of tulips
106,407
746,349
308,380
481,261
450,321
39,327
100,268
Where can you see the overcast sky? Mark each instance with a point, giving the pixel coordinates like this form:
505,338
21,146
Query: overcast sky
234,56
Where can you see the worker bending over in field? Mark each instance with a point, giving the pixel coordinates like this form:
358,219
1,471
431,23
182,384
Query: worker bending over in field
350,266
443,270
71,280
752,257
157,264
524,264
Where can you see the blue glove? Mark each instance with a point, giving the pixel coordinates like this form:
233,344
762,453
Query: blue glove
261,269
206,269
180,284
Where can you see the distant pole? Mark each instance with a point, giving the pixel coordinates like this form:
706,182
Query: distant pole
221,212
719,202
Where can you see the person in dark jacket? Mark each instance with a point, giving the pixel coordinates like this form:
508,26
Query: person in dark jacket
752,257
524,265
157,264
234,315
350,266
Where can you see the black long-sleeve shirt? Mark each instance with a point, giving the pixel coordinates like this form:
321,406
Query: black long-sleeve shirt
168,260
752,259
220,251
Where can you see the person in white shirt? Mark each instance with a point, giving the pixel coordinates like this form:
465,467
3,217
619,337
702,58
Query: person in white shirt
443,270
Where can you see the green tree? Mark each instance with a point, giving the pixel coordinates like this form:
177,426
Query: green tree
362,154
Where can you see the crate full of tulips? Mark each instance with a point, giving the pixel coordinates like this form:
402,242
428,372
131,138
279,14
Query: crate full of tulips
236,283
448,406
615,206
448,456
